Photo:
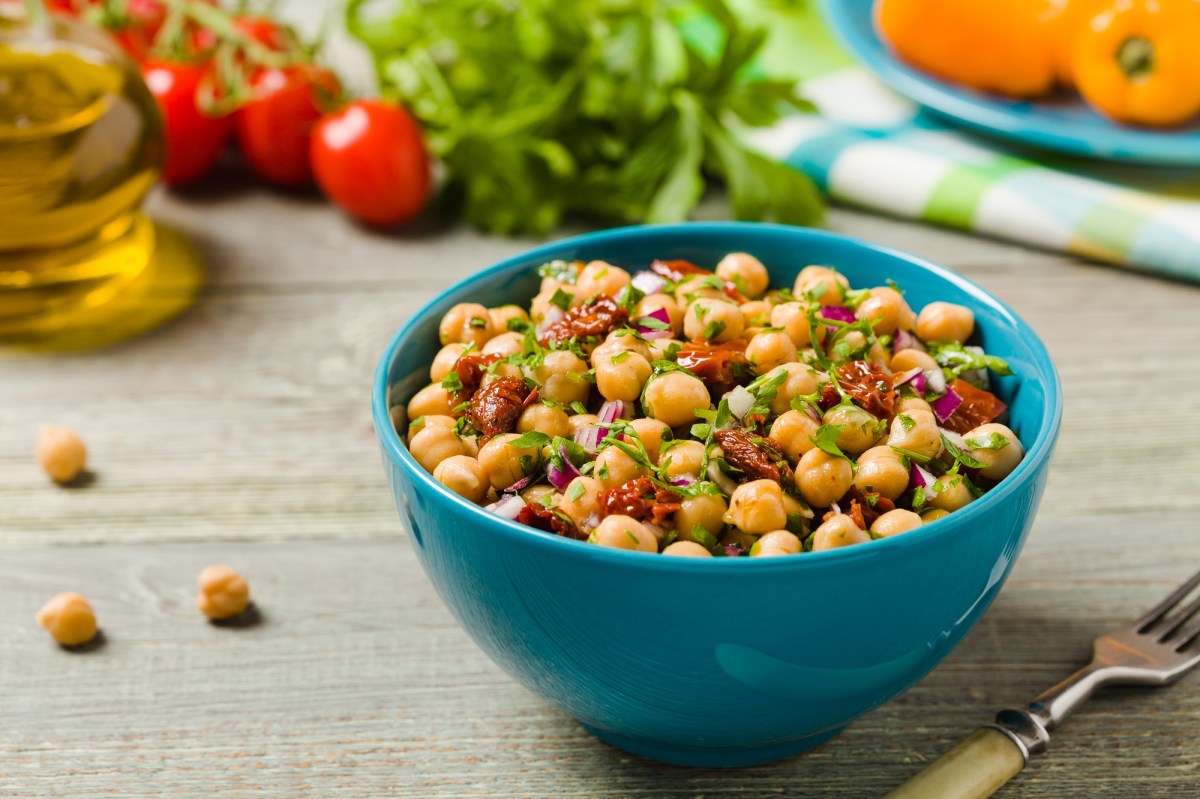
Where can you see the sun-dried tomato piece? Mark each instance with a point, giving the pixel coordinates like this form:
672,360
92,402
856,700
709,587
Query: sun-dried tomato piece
470,369
639,498
978,407
870,505
720,366
543,518
869,387
597,318
677,269
758,458
497,405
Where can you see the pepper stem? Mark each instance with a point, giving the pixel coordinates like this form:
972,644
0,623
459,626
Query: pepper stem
1136,57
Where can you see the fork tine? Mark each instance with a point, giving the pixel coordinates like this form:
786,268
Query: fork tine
1183,618
1154,616
1190,637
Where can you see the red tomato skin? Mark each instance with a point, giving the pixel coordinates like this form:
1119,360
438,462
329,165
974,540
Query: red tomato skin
194,141
275,128
370,159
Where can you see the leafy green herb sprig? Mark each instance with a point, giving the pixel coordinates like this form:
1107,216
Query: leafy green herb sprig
599,108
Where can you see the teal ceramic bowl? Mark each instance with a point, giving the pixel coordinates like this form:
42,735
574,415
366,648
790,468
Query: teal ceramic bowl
720,662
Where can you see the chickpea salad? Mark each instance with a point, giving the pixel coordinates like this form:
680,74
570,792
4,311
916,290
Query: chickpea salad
703,413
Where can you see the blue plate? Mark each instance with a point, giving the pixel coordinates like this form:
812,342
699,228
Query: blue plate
1064,123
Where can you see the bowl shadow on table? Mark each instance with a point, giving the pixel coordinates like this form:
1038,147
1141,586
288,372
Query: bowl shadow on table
1008,658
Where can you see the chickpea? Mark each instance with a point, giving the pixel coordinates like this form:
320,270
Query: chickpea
562,377
435,444
465,323
601,277
581,498
909,404
504,345
444,361
580,421
69,619
544,301
687,549
776,542
802,380
881,470
223,593
503,463
839,531
621,376
536,493
552,421
674,397
757,507
860,429
905,360
659,347
681,458
654,302
614,467
705,511
945,321
823,479
896,521
501,369
769,350
933,514
879,355
691,288
61,452
501,315
997,463
624,532
715,320
463,475
746,272
793,319
887,310
757,313
793,432
622,341
916,431
471,445
433,400
421,422
834,282
949,492
652,434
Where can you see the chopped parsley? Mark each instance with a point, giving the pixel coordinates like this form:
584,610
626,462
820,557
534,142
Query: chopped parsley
563,271
961,456
575,490
561,299
825,439
956,359
478,322
712,330
991,441
531,440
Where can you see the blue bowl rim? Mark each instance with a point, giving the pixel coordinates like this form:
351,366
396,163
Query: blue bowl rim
1035,456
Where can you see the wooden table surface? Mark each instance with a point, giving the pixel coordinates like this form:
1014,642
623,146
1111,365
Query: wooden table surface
241,434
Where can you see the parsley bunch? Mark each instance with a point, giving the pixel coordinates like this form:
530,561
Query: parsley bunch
606,109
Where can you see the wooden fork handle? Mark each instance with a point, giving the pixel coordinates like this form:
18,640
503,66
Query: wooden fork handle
975,769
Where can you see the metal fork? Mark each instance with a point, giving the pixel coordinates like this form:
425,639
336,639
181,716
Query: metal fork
1155,649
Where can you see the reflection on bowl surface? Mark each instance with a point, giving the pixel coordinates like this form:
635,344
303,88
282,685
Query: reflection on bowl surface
721,661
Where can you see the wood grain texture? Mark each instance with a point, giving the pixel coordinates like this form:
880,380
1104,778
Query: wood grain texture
359,683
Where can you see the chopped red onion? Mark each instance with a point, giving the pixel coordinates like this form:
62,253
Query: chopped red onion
903,340
935,381
740,401
683,480
813,413
838,313
652,333
649,282
733,550
722,480
552,315
919,477
613,410
561,476
945,405
589,437
836,508
591,522
955,439
507,506
520,485
914,377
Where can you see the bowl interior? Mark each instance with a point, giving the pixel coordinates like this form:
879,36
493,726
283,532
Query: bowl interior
1031,393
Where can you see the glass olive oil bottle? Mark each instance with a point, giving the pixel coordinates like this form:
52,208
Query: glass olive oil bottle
80,146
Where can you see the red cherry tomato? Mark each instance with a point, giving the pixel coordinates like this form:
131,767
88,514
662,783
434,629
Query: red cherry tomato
194,141
370,159
275,128
265,31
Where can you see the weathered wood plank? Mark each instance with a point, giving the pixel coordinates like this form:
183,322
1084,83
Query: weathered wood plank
359,683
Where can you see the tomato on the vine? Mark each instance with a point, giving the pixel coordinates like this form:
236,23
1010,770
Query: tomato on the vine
265,31
370,159
194,140
274,129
